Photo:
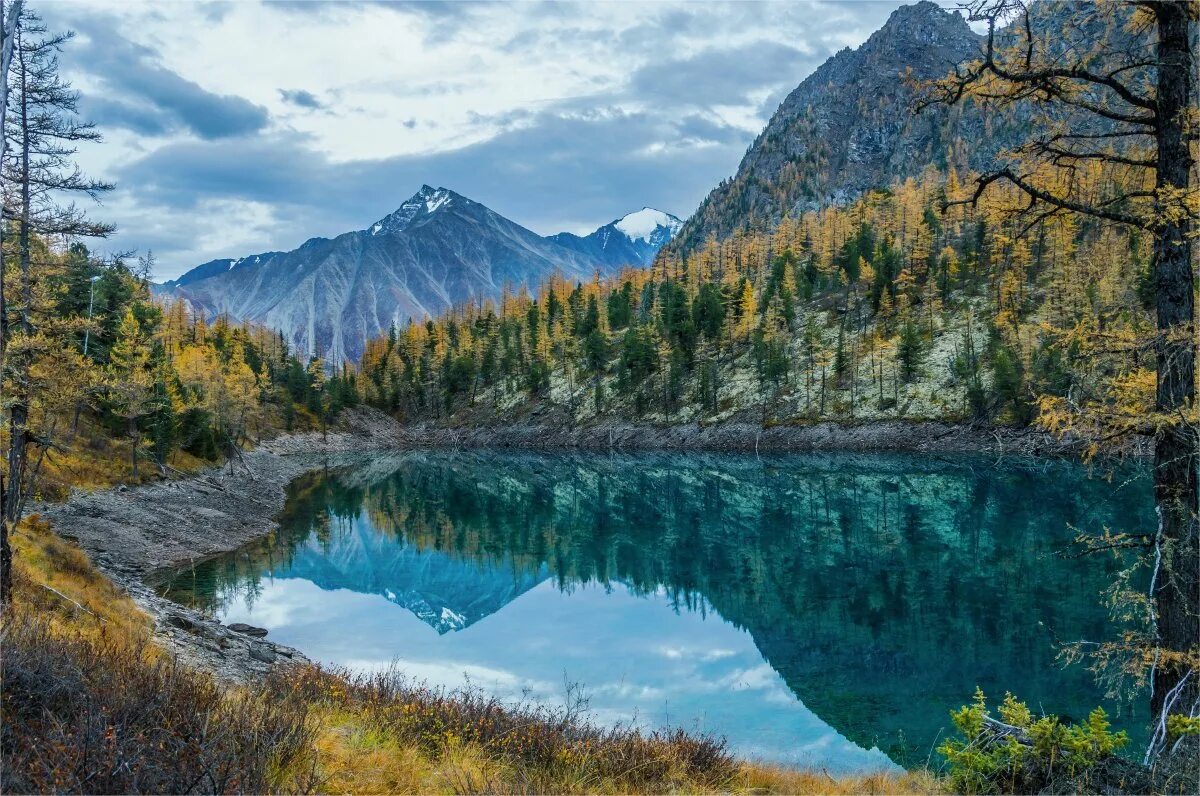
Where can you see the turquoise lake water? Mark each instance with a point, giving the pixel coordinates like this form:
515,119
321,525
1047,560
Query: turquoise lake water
819,609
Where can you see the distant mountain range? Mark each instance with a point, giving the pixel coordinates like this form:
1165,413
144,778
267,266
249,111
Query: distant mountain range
632,240
437,250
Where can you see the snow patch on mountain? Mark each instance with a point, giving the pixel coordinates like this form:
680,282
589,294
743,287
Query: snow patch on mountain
440,197
642,224
424,202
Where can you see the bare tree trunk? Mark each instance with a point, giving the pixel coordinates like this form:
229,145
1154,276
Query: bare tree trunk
134,440
1177,445
18,415
8,38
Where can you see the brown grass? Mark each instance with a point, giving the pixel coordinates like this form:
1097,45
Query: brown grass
93,459
99,715
759,778
54,580
383,733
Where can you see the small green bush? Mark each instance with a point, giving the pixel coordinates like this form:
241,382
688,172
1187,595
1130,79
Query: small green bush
1022,753
1180,726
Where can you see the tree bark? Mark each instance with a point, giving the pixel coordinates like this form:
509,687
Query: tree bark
1177,582
18,415
8,38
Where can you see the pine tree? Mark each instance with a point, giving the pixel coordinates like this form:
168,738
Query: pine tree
40,132
131,385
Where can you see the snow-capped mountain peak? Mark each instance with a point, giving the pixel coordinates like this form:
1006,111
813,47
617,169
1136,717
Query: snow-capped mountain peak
437,199
330,295
426,201
640,225
436,250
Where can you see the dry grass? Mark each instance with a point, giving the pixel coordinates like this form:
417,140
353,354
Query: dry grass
382,733
54,580
100,715
88,705
759,778
93,459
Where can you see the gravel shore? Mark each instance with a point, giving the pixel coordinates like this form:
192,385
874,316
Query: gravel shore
136,534
553,432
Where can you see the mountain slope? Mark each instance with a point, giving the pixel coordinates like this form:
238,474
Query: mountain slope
847,127
630,240
437,250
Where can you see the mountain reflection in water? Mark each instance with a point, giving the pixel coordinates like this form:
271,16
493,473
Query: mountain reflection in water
822,609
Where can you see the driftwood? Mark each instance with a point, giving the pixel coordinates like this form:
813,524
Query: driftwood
995,731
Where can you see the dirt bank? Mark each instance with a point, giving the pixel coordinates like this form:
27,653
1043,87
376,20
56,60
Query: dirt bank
134,534
552,432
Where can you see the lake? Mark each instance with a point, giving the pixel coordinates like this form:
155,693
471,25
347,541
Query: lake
823,610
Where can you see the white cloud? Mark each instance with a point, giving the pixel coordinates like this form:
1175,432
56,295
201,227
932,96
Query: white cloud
682,85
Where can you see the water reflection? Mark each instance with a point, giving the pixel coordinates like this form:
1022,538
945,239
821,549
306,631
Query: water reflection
822,609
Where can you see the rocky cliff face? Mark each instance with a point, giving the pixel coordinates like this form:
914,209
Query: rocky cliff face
846,128
852,124
437,250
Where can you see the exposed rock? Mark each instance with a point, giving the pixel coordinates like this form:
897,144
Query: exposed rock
180,621
168,525
248,630
261,652
739,434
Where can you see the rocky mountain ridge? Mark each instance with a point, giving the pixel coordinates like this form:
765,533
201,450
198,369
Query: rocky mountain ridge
853,124
847,127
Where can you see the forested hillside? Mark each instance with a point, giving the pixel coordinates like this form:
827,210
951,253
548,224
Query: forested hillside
121,386
887,307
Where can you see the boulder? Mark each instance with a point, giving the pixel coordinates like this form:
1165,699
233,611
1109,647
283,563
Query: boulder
261,652
248,630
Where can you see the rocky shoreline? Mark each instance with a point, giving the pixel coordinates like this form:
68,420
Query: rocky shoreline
740,435
134,535
137,535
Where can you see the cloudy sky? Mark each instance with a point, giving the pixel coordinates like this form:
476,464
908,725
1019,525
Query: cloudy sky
240,127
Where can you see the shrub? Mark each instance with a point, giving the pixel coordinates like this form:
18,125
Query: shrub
1022,753
101,715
